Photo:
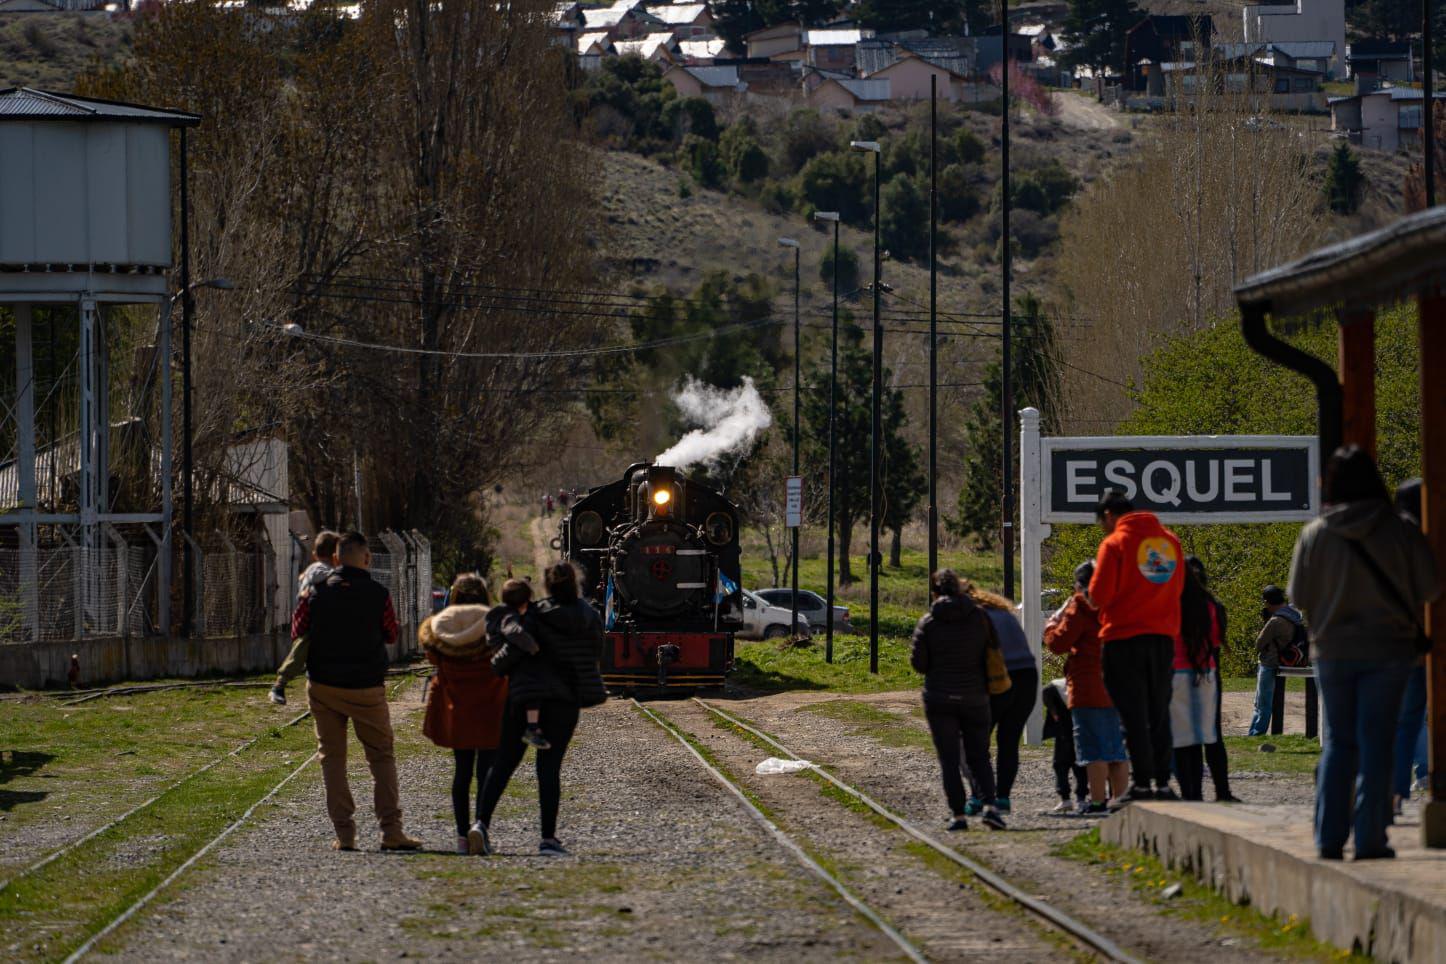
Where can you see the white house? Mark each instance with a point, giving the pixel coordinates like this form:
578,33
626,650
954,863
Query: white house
686,20
1302,20
1384,120
658,48
714,84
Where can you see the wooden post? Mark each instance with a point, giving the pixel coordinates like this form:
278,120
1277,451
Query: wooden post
1358,379
1432,305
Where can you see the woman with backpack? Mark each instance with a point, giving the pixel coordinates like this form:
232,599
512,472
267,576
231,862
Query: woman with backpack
560,678
1362,575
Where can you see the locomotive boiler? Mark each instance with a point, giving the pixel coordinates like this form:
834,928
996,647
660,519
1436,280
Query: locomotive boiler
660,555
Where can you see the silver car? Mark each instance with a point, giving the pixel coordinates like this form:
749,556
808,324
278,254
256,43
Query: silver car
811,606
763,620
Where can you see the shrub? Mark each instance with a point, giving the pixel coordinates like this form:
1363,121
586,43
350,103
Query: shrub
848,270
700,155
868,128
742,154
692,115
969,148
1343,180
777,197
958,200
806,135
838,181
904,227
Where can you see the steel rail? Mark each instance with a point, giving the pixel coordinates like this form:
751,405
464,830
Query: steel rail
56,855
787,842
1075,929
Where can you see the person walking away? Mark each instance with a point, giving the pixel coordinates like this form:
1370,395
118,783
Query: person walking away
1411,742
505,622
1059,726
1216,757
466,698
569,635
950,649
351,622
1282,623
323,560
1074,632
1362,576
1008,711
1136,590
1195,687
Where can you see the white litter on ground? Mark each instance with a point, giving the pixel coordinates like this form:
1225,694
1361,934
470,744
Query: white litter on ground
774,765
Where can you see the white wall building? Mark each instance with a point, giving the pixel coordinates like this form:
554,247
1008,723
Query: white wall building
1302,20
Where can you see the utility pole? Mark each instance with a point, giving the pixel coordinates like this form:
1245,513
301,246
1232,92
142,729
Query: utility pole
1007,393
188,469
797,400
875,422
1428,117
933,326
832,412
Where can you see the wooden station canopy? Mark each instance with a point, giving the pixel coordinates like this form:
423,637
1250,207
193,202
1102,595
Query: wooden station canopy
1352,280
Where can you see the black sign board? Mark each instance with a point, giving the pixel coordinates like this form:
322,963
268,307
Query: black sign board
1255,479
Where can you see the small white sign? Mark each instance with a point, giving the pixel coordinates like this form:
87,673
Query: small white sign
793,505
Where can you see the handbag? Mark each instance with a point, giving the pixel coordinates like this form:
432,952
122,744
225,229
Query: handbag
1423,642
998,673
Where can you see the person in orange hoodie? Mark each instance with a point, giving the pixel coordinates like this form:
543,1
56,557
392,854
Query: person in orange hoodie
1139,575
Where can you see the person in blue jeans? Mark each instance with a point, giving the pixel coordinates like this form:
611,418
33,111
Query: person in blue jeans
1362,575
1281,621
1411,726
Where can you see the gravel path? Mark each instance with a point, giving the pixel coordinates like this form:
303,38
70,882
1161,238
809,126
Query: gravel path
906,779
665,866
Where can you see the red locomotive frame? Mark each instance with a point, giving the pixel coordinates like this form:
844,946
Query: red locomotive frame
641,659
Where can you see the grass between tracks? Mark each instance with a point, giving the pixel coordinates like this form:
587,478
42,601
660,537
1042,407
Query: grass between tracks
1149,878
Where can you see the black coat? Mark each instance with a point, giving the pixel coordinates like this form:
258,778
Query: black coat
950,642
348,640
569,639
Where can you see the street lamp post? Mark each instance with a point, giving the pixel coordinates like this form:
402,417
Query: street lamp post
832,409
188,586
1006,394
797,349
875,422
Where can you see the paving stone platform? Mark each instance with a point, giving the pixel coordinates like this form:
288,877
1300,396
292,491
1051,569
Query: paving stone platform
1394,910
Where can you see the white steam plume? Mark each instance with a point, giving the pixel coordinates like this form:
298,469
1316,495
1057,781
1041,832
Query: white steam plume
729,419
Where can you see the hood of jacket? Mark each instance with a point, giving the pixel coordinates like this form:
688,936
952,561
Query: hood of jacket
1356,520
565,619
457,631
1138,525
952,609
1291,613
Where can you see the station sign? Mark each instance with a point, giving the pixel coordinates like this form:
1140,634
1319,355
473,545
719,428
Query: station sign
1191,479
793,502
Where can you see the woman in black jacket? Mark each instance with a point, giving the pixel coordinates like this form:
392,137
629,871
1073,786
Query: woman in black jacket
560,678
951,644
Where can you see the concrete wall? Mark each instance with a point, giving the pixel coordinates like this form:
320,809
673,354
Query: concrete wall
1380,123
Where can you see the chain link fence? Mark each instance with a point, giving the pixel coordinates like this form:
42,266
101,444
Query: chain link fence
76,592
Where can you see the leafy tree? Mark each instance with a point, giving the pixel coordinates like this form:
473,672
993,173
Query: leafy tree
855,386
838,181
958,200
905,484
1095,31
869,128
1343,180
806,135
1036,383
742,154
848,270
692,115
969,147
701,156
904,227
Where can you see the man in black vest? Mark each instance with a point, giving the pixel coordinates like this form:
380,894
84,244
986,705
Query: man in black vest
350,622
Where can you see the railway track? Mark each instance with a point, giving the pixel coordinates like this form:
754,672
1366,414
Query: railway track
140,903
1075,930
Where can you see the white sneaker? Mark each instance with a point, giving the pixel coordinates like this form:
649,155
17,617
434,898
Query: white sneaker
1063,807
462,847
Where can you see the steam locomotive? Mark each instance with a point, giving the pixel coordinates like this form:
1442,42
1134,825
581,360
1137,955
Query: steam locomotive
660,552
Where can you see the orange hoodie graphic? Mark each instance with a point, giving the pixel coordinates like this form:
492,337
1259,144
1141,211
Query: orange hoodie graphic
1138,578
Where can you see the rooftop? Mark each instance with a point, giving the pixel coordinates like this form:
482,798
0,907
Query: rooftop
678,13
29,104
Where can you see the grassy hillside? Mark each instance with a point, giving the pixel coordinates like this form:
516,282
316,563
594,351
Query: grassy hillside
48,50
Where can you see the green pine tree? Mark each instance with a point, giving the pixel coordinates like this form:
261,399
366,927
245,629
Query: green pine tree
1344,180
1095,31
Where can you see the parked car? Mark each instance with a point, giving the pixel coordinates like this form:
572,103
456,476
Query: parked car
763,620
811,606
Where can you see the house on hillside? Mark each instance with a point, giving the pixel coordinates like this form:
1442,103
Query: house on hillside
988,50
700,51
657,48
622,21
685,20
849,95
908,66
780,40
1161,39
1383,120
592,47
1273,86
717,85
832,48
1375,61
1302,20
1315,55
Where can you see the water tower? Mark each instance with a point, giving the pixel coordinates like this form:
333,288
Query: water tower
85,226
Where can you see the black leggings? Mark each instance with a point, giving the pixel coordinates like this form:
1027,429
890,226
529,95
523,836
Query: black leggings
468,762
1215,756
960,727
1138,679
1190,771
1064,763
558,721
1009,713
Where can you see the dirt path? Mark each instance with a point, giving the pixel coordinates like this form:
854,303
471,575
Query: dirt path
542,551
665,866
1084,112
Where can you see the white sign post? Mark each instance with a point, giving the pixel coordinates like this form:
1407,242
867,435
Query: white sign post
793,504
1183,479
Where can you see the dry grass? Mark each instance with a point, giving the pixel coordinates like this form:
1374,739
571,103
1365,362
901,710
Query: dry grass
48,50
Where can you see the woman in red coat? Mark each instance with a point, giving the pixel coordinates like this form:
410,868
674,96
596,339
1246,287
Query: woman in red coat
466,698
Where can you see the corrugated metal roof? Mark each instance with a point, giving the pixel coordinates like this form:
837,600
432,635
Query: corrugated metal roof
701,49
832,37
715,76
678,13
872,56
28,104
867,90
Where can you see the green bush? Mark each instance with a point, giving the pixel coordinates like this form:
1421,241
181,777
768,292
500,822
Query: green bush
838,181
742,154
848,270
1211,383
700,156
958,200
692,115
969,148
904,227
805,136
777,197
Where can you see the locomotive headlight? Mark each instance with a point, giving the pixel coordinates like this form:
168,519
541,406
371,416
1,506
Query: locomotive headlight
662,497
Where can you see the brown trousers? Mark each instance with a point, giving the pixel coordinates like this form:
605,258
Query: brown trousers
331,707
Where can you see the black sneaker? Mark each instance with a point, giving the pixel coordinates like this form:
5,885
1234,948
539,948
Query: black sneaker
533,737
1165,793
1091,809
552,847
992,819
957,824
1132,795
277,695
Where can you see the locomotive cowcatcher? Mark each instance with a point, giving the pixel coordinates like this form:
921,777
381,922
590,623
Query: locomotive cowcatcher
659,552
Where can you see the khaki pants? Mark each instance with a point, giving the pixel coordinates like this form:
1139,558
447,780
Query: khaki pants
295,662
331,707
